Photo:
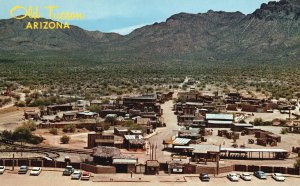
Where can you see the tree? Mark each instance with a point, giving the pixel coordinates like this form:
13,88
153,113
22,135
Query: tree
258,121
132,126
111,119
65,139
22,134
95,108
30,124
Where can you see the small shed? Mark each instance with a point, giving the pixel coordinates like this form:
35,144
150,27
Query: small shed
152,167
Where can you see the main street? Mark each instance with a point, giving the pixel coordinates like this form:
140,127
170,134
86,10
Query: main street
170,119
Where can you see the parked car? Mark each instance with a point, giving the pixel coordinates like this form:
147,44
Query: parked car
36,171
233,177
204,177
278,177
2,169
23,169
260,174
85,176
68,171
76,175
246,176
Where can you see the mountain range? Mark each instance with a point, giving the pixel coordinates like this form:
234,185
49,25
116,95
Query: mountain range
272,32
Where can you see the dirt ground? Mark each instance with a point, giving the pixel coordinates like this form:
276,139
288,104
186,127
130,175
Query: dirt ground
46,179
11,117
287,142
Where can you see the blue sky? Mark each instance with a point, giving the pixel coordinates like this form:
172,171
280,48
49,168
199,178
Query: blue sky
123,16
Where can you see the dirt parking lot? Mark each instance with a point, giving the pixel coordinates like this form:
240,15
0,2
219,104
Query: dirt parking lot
53,177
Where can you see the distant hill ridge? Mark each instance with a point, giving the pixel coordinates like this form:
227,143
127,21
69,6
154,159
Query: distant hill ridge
270,32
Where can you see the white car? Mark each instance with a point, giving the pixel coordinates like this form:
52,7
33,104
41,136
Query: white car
246,176
278,177
233,177
76,175
2,169
36,171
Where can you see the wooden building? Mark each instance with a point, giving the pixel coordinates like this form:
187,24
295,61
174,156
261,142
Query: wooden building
219,120
152,167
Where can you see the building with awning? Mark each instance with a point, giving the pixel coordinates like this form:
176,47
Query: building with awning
205,152
125,165
240,126
134,142
246,153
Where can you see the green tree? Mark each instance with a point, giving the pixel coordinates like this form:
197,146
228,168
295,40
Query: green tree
258,121
30,124
95,108
22,134
111,119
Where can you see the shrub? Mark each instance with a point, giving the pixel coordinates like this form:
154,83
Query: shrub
284,130
30,124
53,131
35,139
95,108
69,128
65,139
20,104
297,163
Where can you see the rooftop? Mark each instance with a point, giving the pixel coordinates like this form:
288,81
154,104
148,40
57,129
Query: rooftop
124,161
219,122
252,150
106,152
181,141
203,149
219,116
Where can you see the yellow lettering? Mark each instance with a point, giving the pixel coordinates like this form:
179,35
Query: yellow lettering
28,26
59,25
35,25
51,10
12,11
45,25
52,25
66,25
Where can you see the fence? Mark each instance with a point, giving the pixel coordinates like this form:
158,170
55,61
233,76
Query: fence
188,169
57,164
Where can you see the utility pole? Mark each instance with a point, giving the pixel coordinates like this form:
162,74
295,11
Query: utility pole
218,160
155,151
13,162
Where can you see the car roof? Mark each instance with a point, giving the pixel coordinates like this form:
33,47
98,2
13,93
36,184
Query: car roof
76,172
